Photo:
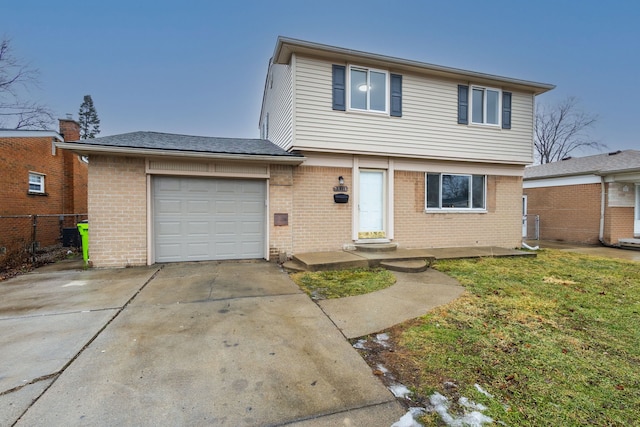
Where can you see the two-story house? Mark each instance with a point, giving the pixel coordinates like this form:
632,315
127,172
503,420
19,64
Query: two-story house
432,156
355,147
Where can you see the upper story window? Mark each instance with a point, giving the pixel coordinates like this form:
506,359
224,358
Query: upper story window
36,183
485,105
455,191
368,89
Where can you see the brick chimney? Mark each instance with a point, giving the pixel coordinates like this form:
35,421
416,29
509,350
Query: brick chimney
69,129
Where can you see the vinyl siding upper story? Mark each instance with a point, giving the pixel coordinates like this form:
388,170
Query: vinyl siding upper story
298,101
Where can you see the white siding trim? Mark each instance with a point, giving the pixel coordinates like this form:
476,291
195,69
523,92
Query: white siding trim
562,181
150,247
428,127
390,199
355,219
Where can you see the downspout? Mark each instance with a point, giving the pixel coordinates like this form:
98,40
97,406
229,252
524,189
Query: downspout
603,195
602,201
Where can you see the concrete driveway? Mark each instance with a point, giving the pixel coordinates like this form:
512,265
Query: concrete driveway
231,343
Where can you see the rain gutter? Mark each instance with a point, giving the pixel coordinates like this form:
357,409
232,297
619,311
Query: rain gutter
148,152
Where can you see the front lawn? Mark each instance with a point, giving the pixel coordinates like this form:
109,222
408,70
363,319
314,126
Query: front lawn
343,283
552,340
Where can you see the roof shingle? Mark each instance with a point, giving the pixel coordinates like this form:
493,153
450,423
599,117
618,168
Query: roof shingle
600,164
200,144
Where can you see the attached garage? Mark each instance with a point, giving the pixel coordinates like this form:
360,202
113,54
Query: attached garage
158,197
197,219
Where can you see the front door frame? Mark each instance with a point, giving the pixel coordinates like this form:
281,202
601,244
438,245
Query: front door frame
369,235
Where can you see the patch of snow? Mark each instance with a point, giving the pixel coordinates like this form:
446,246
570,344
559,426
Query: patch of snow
382,339
400,390
483,391
382,369
407,420
463,401
440,405
360,345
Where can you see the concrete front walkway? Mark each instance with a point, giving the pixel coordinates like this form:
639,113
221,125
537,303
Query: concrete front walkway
413,295
232,343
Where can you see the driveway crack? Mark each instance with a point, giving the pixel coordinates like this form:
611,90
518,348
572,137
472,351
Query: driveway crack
57,374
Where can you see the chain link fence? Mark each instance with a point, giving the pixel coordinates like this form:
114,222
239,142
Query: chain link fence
531,227
26,238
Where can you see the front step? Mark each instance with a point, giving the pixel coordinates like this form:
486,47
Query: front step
376,247
629,243
410,266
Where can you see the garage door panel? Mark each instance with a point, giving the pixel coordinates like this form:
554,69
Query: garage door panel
208,219
198,229
197,250
169,206
198,206
227,207
166,229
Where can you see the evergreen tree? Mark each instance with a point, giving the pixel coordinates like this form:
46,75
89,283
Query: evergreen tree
88,118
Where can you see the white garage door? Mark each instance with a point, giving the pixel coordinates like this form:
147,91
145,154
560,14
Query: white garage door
197,219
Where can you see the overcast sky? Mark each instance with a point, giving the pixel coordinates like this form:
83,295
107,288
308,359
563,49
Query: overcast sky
198,67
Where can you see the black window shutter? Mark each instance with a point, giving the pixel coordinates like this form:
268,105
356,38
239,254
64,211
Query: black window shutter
506,110
463,104
396,95
339,85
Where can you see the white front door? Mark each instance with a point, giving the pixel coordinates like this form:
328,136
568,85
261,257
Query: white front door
371,205
524,217
636,216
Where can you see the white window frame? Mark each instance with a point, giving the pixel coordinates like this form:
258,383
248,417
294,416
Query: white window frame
40,182
387,94
484,106
440,208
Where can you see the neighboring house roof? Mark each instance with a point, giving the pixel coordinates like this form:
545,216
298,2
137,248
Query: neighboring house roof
166,144
600,164
26,133
285,47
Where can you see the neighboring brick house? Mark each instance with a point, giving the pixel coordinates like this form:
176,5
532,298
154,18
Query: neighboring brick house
428,156
591,200
39,179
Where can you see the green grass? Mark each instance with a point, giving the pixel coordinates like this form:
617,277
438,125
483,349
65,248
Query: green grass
343,283
555,339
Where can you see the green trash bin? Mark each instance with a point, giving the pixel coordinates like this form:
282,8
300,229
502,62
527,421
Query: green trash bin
83,228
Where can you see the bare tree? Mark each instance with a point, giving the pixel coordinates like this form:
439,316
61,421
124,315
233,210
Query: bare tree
16,78
561,129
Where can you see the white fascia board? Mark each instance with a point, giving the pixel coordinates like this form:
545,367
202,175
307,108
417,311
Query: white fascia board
562,181
31,134
87,150
623,177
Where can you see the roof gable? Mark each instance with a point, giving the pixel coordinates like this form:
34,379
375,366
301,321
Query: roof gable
285,47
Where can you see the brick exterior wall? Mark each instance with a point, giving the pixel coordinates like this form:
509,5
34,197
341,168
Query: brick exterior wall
117,211
618,224
65,188
320,224
317,223
571,213
499,226
280,202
